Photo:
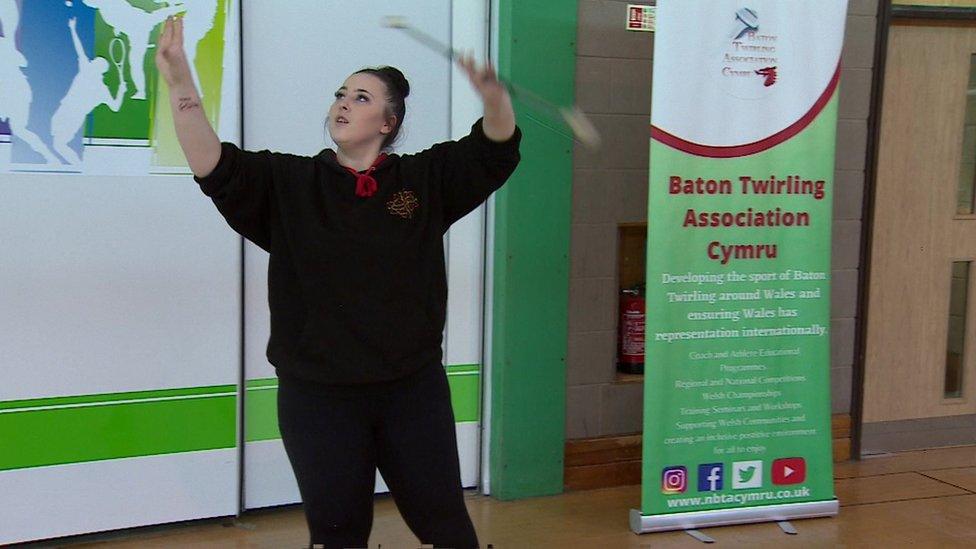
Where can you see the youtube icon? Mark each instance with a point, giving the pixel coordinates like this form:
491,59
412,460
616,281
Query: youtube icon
789,470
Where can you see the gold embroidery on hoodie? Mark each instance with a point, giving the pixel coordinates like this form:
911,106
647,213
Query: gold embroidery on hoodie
403,204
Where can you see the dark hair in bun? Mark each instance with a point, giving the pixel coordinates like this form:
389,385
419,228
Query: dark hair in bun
397,90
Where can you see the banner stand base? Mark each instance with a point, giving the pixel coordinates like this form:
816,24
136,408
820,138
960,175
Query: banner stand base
786,527
700,536
643,524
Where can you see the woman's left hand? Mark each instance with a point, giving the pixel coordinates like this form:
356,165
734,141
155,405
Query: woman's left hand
499,119
484,80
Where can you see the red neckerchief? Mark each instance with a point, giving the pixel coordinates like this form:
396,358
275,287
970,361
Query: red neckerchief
365,183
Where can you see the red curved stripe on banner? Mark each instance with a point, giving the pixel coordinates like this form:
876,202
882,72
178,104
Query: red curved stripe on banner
758,146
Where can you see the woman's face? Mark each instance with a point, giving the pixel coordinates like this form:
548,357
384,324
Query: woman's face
359,114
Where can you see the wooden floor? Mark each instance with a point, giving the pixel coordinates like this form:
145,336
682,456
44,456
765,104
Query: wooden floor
919,499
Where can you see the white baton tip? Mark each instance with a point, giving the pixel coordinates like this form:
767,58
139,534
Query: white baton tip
394,22
583,129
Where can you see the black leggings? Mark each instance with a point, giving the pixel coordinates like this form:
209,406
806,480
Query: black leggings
337,436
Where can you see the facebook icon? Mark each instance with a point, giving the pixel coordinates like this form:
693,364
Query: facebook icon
710,477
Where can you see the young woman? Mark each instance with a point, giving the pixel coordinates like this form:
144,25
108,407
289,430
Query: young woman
357,290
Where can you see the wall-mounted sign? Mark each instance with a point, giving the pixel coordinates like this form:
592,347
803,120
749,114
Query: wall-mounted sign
641,18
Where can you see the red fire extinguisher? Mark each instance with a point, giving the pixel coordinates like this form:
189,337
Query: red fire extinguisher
630,349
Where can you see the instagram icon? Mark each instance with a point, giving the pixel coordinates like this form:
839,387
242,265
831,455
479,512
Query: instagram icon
674,479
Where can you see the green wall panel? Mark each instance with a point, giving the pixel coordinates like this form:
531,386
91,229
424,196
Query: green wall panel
531,258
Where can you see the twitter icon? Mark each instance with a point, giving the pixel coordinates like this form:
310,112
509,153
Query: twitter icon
747,474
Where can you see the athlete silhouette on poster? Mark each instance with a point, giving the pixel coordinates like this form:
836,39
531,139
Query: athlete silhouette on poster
77,74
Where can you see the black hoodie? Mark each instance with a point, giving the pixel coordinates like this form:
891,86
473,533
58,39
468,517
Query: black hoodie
357,286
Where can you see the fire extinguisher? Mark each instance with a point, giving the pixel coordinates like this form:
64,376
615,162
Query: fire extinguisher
630,349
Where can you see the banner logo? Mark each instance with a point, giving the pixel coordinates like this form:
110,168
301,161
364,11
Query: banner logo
769,75
674,479
710,477
746,21
747,474
751,58
789,471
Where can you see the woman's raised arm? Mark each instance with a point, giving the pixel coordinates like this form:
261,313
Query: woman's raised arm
499,123
197,138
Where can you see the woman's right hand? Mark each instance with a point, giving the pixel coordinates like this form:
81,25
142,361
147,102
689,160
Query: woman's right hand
197,138
170,56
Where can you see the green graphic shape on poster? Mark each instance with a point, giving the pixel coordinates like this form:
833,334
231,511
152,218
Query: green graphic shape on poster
145,120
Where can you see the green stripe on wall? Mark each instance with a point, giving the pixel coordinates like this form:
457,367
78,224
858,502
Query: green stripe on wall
59,430
465,382
111,397
54,431
261,411
264,382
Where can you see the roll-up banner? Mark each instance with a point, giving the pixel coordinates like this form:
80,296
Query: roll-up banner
737,389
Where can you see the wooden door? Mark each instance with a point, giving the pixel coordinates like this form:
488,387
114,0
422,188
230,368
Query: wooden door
920,333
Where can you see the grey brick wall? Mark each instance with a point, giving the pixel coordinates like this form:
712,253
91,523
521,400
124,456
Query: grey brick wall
613,86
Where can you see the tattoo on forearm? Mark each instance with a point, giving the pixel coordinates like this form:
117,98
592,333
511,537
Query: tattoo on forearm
187,103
